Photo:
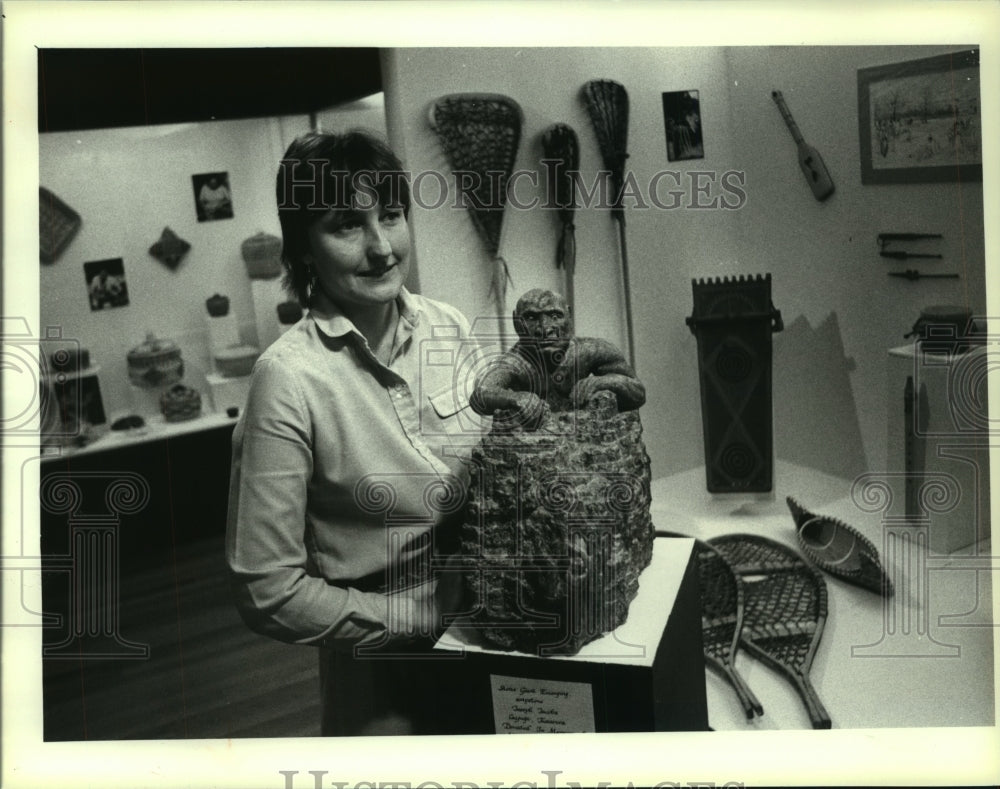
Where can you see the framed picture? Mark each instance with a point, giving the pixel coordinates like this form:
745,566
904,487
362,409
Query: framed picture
682,125
919,121
106,286
213,198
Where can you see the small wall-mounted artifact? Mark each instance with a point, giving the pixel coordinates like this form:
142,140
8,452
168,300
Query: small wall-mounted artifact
810,162
57,225
169,249
156,362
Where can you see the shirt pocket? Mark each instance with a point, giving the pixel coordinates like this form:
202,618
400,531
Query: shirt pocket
451,415
448,402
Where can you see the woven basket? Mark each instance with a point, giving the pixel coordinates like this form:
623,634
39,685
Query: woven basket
180,403
262,254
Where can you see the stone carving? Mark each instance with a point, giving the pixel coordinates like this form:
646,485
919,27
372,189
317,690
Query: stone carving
558,526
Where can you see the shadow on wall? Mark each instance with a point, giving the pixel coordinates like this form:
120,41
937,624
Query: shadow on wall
815,416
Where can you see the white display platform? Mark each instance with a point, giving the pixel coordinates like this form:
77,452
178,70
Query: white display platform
646,675
228,392
939,445
659,585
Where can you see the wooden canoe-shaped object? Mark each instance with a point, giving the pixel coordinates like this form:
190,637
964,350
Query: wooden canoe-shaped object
839,550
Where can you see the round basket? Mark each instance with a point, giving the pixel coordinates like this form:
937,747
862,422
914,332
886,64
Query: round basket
155,363
217,306
180,403
262,254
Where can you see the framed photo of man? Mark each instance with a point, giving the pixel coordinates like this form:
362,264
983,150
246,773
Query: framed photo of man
213,197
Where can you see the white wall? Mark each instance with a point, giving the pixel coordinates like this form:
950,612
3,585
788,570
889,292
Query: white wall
841,310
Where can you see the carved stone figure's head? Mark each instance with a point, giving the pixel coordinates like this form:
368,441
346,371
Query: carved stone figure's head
542,317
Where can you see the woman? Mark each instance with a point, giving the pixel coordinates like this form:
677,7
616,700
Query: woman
349,459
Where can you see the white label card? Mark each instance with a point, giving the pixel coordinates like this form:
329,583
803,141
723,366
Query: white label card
525,706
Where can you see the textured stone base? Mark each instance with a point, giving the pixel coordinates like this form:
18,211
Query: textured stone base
558,529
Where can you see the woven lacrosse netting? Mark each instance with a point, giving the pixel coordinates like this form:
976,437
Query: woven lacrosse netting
608,106
480,134
562,150
785,607
721,618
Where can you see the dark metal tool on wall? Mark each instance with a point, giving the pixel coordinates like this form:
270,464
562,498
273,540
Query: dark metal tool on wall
913,274
901,255
885,238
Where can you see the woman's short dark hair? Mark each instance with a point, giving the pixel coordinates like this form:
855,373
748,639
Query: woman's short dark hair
320,171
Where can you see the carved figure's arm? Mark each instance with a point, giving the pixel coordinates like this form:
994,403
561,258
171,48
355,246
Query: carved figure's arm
595,365
505,387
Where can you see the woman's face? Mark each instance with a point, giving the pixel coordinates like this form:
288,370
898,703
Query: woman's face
361,256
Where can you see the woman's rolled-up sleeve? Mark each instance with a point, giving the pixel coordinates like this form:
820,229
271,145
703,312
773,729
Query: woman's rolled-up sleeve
265,535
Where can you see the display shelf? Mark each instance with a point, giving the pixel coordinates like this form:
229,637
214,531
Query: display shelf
155,429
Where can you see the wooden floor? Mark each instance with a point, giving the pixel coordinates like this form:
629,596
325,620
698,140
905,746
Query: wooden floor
206,675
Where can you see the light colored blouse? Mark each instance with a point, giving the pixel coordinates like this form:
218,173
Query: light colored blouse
342,469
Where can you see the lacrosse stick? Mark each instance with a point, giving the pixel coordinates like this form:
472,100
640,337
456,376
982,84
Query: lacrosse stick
607,105
561,147
785,611
480,133
721,618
